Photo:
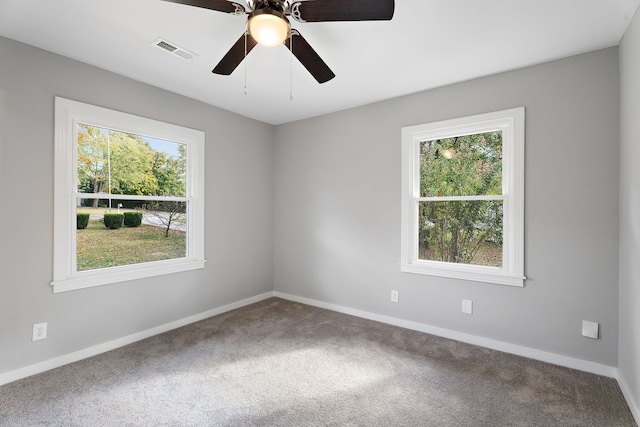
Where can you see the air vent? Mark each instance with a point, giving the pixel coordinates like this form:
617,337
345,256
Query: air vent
167,46
173,48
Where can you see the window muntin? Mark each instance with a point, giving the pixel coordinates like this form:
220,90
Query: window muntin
125,163
463,201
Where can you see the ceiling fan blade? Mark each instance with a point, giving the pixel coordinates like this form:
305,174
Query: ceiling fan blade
219,5
308,57
342,10
235,56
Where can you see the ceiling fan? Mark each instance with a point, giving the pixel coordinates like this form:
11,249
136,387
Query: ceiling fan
268,25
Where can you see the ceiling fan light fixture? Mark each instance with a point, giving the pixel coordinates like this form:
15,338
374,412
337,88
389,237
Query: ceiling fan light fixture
268,27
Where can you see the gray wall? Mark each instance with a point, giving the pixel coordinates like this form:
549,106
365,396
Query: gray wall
629,350
239,155
337,209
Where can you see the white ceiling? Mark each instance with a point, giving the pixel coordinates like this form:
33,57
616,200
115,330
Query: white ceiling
428,43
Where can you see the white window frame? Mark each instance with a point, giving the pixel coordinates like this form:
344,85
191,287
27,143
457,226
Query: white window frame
511,123
68,114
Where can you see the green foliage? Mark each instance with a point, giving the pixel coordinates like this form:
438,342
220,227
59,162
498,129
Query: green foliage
132,219
131,165
470,165
170,172
82,220
92,160
120,163
113,220
474,169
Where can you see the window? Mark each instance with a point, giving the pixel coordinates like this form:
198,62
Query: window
129,197
463,198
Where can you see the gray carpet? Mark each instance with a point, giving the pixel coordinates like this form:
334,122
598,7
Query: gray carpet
279,363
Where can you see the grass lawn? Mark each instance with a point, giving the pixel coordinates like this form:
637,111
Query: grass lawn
489,254
100,247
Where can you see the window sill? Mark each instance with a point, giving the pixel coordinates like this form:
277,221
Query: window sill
91,278
465,272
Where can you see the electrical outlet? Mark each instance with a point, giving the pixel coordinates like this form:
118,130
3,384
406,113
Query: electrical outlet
39,331
394,296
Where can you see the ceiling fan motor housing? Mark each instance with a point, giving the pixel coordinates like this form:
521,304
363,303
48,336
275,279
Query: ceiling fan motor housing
279,5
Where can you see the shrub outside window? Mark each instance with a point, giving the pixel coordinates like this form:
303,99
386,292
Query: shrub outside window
128,197
463,198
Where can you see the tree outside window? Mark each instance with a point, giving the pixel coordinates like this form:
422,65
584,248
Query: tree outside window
465,231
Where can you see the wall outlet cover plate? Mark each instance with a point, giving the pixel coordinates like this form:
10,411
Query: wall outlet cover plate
467,306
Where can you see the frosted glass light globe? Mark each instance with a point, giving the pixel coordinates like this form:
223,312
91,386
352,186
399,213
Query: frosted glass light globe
268,28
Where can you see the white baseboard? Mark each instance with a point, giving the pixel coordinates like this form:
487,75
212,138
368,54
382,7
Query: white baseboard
556,359
56,362
544,356
626,392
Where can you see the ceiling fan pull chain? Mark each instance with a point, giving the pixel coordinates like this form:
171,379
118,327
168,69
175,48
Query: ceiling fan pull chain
291,68
245,63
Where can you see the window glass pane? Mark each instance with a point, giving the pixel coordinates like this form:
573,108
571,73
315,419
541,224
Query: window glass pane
115,162
130,232
465,232
112,163
469,165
